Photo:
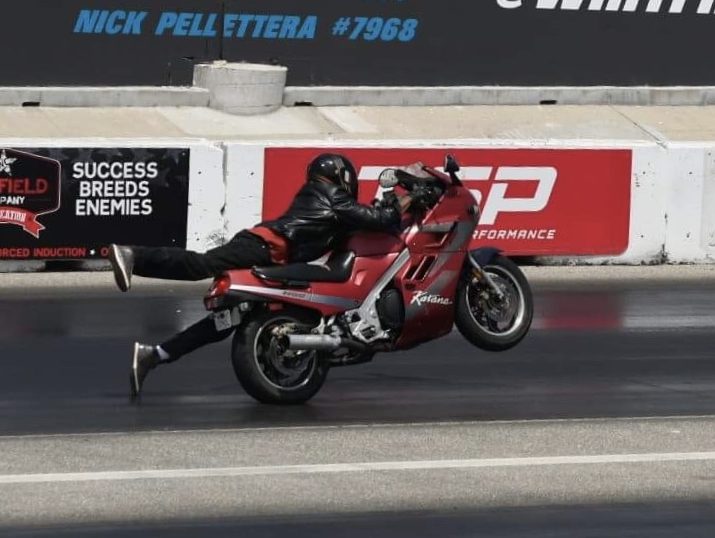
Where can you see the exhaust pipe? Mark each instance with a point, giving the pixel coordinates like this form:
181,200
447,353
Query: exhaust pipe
322,342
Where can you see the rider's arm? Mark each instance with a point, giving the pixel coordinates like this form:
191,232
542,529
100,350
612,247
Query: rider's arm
355,216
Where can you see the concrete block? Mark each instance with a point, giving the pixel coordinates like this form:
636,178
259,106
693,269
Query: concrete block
498,95
207,197
247,99
125,96
245,168
242,88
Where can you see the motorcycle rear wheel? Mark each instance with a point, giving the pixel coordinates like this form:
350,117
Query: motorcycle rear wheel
483,319
265,370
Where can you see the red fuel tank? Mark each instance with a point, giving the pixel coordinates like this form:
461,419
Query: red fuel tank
374,244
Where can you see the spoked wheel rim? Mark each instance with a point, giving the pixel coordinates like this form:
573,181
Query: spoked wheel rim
283,369
494,317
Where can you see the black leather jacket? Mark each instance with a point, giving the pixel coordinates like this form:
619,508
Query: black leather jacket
322,215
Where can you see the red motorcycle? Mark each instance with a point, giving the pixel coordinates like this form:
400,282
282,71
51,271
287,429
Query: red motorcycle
380,292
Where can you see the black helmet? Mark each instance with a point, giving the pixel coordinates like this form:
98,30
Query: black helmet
335,168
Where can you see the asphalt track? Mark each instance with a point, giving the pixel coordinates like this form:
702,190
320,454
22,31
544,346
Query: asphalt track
602,423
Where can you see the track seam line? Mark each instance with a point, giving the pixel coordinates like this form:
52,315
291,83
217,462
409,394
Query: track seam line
364,426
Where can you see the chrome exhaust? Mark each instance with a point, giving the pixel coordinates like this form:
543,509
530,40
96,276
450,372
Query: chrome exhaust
321,342
313,342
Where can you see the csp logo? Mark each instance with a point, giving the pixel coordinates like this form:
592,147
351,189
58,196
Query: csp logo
495,181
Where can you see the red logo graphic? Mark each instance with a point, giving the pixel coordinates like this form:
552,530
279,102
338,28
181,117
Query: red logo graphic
29,187
533,201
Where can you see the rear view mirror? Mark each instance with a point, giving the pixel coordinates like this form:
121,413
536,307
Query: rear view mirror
388,178
451,166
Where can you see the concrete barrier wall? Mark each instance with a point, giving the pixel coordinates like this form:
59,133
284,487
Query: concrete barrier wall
690,194
244,185
672,186
672,212
707,229
207,197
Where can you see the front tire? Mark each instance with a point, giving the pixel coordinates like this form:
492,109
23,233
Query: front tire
485,321
265,370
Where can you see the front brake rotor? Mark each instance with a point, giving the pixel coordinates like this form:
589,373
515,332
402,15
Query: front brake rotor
499,310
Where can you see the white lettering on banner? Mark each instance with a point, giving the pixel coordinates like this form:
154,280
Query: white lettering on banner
115,170
15,216
117,188
113,189
704,7
497,201
539,234
105,207
12,200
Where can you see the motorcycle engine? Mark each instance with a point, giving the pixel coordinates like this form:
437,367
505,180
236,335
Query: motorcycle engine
391,309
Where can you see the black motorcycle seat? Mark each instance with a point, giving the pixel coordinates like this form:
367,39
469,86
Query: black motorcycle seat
338,268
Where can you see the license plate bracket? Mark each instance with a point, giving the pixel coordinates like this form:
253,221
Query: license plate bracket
222,320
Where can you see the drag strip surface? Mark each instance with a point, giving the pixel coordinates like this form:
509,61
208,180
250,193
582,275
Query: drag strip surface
601,423
91,479
595,351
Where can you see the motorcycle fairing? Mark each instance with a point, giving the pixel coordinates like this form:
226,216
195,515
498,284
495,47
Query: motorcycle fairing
424,265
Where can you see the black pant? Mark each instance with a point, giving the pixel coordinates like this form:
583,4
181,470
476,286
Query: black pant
242,252
245,250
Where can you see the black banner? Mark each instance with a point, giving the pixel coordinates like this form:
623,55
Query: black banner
71,203
372,42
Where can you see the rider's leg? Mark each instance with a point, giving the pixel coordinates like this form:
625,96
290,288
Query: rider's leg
243,251
147,358
198,335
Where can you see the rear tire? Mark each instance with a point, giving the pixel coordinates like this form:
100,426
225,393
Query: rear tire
485,322
268,373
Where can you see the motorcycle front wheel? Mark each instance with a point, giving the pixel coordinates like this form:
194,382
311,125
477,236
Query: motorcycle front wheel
491,322
266,370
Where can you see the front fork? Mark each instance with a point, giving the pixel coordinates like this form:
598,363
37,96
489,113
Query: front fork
479,258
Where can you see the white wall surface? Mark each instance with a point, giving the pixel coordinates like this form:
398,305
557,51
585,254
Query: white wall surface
244,185
690,194
207,197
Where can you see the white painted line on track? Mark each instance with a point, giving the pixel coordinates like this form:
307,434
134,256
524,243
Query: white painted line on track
366,425
428,465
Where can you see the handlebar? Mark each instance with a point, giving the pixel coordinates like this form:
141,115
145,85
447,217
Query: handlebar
409,182
425,192
425,185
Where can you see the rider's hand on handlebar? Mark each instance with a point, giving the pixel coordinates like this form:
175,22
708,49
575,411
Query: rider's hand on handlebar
404,203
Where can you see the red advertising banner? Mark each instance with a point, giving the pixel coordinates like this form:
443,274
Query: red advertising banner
533,201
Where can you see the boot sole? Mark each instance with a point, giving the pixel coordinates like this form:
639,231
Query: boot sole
121,276
133,379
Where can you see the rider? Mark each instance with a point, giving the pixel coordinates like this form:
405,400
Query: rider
323,212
